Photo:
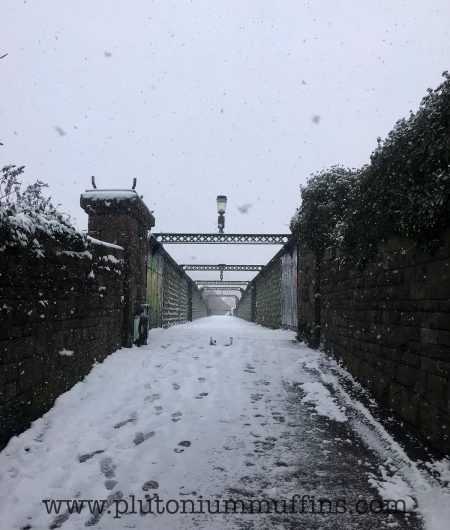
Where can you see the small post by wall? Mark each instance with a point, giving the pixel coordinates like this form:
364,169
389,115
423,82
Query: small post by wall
121,217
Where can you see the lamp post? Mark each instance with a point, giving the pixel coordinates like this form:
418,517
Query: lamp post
221,207
221,268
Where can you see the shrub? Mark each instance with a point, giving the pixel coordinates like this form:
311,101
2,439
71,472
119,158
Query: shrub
25,214
405,190
318,222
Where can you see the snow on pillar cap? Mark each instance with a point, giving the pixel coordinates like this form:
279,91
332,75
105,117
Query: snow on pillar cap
108,201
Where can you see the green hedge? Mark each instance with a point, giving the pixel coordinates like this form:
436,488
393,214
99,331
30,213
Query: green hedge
405,190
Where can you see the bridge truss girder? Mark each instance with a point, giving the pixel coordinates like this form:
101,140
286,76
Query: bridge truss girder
212,288
220,239
219,283
221,267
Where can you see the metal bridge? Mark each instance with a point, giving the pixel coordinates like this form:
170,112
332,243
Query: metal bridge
219,283
207,289
221,267
219,239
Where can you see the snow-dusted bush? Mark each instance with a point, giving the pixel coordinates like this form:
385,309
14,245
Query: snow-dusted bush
318,222
405,190
25,215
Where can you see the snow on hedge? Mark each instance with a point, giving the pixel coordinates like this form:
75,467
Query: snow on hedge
26,215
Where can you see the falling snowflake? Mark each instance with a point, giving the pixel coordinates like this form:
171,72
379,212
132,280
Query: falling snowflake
244,208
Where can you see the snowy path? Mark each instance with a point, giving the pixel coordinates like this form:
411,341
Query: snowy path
263,418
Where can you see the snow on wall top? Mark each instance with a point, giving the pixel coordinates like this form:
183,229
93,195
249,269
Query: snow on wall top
109,194
93,200
104,243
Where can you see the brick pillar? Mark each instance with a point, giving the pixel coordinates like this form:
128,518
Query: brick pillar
122,218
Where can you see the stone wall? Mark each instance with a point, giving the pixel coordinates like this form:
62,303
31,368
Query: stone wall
268,295
390,324
58,315
172,295
308,298
246,305
271,298
198,305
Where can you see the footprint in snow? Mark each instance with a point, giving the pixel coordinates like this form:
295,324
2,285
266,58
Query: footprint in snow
158,410
122,423
110,484
184,443
97,515
262,445
201,379
278,417
107,467
57,522
176,416
201,395
87,456
141,437
152,398
150,485
176,386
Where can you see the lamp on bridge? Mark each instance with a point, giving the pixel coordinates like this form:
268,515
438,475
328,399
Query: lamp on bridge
221,207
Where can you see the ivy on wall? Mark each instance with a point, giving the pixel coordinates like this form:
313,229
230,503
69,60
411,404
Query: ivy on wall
404,190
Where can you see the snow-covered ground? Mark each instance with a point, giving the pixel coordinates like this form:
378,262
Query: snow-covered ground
256,417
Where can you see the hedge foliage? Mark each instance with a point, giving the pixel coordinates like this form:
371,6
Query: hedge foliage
405,190
25,214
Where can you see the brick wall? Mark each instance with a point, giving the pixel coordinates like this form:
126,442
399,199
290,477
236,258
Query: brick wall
271,298
308,298
244,308
67,301
390,324
198,305
172,295
268,295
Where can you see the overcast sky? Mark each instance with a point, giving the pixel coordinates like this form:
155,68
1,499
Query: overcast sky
197,98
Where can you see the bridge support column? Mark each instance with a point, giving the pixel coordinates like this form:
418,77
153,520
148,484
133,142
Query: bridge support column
121,217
